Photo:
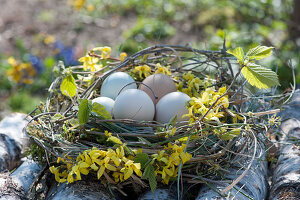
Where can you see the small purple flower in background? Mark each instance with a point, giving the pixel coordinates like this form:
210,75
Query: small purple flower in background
67,54
36,62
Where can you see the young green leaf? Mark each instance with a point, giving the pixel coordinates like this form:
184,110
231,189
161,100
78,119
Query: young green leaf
259,76
68,86
114,140
101,111
231,134
84,111
259,52
149,174
238,53
142,158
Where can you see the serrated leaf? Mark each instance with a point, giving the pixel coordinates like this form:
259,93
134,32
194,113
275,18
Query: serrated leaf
101,111
238,53
84,111
231,134
142,158
150,176
68,86
259,76
259,52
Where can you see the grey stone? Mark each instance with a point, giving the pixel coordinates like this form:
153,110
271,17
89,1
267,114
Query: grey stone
16,185
10,153
159,194
254,184
12,125
80,190
26,173
286,176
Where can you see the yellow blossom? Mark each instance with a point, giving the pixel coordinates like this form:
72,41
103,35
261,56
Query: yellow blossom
21,72
188,76
12,61
167,161
90,62
119,177
57,175
162,70
123,55
90,8
77,4
105,51
131,167
49,39
143,71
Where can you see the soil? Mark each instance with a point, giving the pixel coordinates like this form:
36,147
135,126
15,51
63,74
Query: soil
25,19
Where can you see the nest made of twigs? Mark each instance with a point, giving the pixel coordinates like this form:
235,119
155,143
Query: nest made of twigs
211,155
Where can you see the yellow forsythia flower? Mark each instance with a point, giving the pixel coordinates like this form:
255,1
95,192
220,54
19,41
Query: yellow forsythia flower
77,4
90,62
123,55
143,71
168,161
162,70
105,51
49,39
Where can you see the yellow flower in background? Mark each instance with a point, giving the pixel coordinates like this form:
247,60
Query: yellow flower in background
21,72
105,51
143,71
77,4
90,63
90,8
12,61
49,39
162,70
123,55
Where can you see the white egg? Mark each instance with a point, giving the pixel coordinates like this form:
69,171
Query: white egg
108,103
114,83
170,105
134,104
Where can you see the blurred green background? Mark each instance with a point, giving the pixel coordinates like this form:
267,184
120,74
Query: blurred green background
36,34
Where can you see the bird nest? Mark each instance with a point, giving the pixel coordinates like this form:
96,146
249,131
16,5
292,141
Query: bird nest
81,139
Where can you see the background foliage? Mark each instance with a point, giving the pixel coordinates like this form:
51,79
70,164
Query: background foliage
64,32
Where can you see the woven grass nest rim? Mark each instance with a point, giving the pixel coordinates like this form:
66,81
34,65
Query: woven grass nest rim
216,150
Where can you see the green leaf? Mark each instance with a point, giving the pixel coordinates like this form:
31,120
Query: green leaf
49,62
238,53
84,111
57,116
173,121
68,86
144,141
150,176
101,111
259,76
114,140
231,134
142,158
259,52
